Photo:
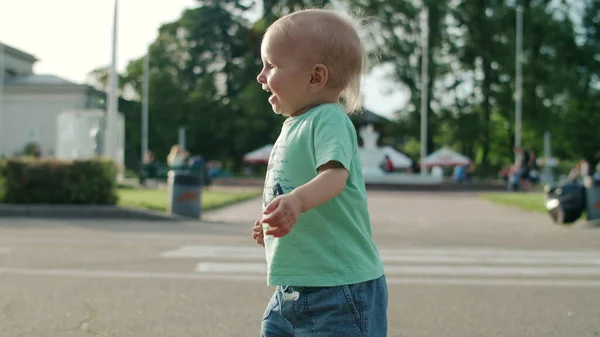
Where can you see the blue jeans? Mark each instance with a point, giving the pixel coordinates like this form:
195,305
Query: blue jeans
355,310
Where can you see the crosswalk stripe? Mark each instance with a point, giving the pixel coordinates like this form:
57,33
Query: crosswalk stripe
436,270
95,274
523,260
450,256
491,271
494,282
481,252
215,251
435,266
236,268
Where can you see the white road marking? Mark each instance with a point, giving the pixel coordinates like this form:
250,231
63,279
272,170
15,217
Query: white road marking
491,271
495,282
519,260
231,267
86,273
464,265
450,256
216,251
437,270
126,240
477,251
96,274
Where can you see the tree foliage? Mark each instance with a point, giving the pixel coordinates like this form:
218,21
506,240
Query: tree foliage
204,67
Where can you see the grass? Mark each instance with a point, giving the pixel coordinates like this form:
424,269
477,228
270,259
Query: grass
157,199
533,201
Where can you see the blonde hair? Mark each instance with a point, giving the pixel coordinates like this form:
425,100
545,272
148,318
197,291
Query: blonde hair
335,40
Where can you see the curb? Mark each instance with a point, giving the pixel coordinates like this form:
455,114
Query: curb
444,187
83,212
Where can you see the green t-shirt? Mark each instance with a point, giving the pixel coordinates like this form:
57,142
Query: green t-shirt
332,244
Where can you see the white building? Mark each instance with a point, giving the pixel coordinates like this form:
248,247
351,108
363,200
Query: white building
31,103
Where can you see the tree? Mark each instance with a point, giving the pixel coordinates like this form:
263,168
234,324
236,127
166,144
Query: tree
396,35
580,116
204,67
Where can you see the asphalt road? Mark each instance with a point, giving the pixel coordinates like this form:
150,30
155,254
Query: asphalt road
456,266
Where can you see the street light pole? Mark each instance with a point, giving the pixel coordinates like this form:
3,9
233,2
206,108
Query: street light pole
424,84
2,71
145,107
519,78
113,96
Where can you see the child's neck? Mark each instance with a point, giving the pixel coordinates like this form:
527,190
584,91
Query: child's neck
322,99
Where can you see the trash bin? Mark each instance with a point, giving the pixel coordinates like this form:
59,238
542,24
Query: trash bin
592,193
566,202
185,193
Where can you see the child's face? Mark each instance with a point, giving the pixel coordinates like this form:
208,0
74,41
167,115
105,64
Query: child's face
285,74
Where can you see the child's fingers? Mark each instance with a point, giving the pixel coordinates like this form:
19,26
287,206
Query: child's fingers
273,217
278,232
257,233
259,238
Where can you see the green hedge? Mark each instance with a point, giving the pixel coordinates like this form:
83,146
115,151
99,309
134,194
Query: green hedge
51,181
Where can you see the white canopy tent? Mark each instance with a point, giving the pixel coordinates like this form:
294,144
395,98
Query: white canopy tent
445,157
259,156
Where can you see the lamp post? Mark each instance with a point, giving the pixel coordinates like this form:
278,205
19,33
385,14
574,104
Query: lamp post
519,78
145,106
2,71
424,84
113,97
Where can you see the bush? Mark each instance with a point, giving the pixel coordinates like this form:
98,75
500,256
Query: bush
51,181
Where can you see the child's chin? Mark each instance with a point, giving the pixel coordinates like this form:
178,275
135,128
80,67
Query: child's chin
277,111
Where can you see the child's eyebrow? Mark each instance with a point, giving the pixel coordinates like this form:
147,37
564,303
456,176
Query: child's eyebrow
266,60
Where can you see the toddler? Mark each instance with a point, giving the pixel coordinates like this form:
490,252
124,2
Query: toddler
315,227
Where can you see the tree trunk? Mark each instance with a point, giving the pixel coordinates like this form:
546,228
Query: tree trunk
486,108
433,22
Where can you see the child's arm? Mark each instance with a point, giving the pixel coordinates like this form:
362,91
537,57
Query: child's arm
330,182
282,213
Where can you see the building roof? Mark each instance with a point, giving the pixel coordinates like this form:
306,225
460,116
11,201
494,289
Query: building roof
18,53
35,79
369,117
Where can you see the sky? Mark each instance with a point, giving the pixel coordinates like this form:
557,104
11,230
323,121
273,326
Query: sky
72,37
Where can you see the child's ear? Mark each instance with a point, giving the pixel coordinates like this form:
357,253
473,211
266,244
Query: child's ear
318,76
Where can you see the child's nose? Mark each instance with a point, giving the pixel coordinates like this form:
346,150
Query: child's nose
261,78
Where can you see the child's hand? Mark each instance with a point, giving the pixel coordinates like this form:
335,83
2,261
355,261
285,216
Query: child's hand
257,233
281,214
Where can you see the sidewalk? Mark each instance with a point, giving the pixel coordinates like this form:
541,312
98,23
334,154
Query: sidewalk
245,212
